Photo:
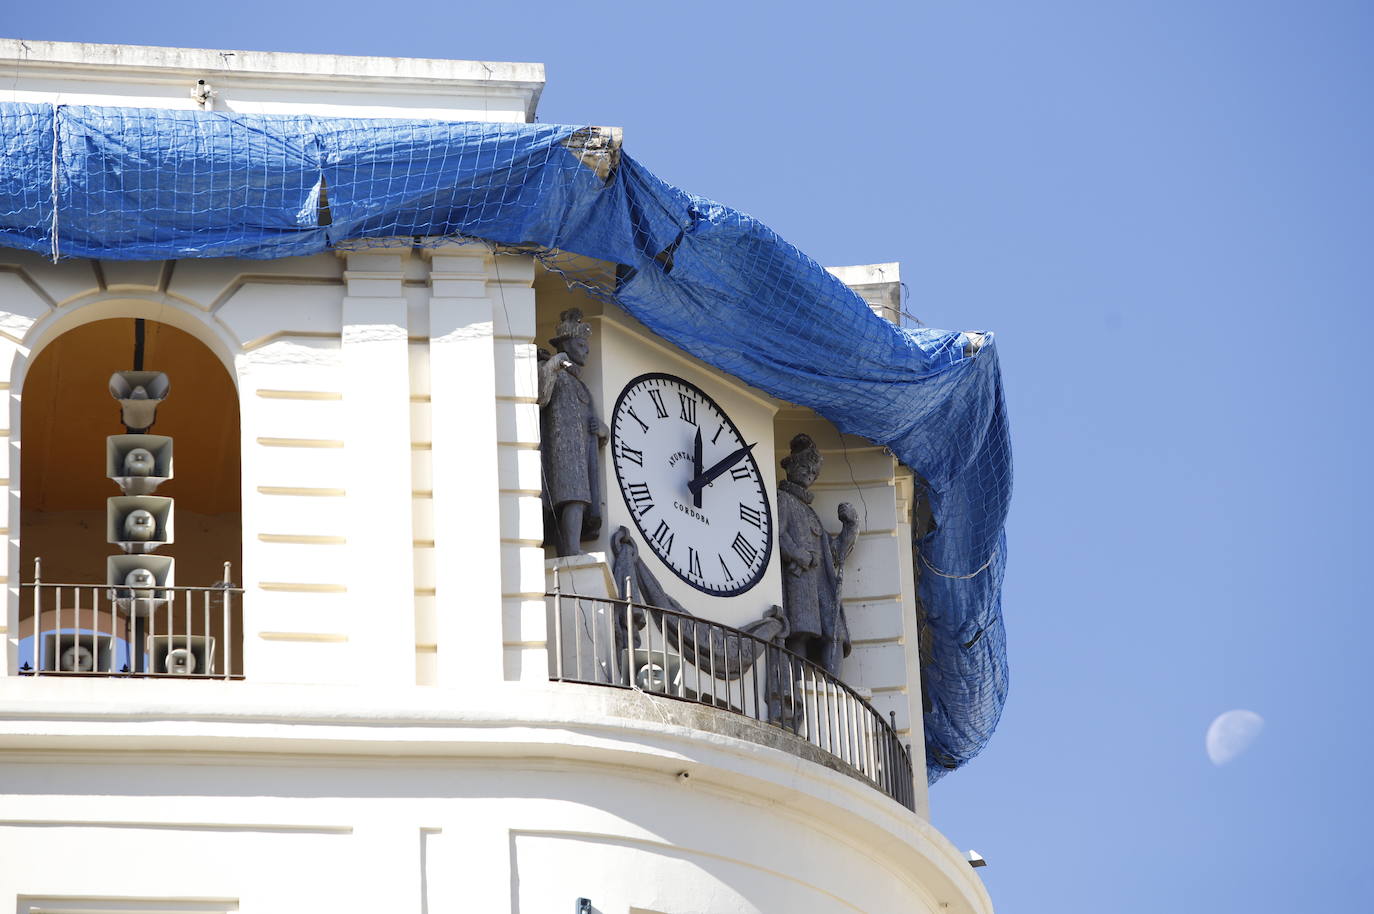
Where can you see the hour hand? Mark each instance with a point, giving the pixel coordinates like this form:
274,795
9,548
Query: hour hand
702,480
696,471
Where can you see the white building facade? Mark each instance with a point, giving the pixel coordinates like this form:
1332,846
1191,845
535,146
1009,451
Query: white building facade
383,716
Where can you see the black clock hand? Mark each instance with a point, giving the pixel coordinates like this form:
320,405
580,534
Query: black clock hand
696,470
732,458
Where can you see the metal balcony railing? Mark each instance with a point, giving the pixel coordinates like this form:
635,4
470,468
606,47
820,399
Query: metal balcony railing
105,630
662,652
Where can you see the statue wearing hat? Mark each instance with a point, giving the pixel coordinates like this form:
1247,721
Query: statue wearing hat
813,562
571,436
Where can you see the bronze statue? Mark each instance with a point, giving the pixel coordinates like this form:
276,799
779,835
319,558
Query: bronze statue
813,562
571,436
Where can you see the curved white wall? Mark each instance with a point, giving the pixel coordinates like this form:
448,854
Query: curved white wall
519,800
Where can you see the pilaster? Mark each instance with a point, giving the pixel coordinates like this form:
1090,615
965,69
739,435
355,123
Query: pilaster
10,516
915,735
22,304
376,382
466,478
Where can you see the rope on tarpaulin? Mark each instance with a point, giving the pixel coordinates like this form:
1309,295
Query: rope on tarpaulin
145,184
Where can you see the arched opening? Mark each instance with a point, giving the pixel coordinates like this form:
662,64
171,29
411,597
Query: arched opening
67,415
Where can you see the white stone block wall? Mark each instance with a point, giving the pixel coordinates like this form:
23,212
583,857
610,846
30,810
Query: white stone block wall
390,471
523,622
422,509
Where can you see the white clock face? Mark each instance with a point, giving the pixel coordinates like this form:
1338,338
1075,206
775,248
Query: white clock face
691,484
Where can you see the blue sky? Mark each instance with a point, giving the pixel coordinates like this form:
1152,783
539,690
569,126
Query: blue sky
1163,209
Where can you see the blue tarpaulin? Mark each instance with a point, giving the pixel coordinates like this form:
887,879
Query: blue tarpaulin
139,184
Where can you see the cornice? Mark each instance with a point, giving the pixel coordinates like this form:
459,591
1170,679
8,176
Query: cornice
688,746
93,63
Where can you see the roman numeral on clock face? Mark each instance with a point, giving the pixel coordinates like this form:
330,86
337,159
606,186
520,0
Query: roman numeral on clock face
689,408
643,426
747,513
744,549
634,456
693,562
740,472
657,397
639,494
664,536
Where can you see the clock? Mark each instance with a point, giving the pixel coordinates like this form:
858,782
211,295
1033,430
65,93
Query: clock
691,484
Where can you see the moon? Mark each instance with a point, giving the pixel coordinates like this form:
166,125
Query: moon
1231,734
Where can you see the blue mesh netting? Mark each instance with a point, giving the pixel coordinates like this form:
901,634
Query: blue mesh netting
131,184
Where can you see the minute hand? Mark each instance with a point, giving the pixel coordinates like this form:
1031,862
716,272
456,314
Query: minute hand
732,458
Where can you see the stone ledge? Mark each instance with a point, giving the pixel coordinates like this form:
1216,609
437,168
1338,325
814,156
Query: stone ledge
20,54
555,723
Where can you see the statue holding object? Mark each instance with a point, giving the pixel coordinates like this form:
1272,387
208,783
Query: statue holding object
571,434
813,562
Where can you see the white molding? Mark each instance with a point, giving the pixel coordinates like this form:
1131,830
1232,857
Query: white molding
18,54
561,726
79,65
85,904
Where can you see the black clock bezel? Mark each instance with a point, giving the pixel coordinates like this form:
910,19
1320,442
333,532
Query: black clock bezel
758,473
